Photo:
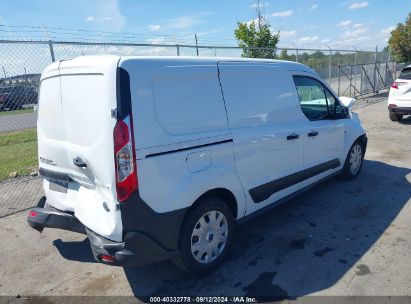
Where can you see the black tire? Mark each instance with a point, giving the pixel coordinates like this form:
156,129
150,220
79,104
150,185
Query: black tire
186,259
395,117
348,170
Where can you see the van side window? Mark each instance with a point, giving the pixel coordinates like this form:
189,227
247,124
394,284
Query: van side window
313,98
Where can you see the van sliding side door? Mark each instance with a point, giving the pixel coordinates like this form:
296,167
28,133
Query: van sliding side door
263,114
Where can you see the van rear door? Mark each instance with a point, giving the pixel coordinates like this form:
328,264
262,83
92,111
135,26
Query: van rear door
75,137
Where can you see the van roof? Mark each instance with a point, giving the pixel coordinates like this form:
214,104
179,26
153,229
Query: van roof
289,65
101,59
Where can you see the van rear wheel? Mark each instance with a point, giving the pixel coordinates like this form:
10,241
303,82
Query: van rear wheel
206,236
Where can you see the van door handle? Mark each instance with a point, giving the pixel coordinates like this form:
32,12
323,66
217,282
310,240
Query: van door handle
312,134
293,136
79,162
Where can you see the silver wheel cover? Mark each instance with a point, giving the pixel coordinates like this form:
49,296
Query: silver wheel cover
209,237
355,159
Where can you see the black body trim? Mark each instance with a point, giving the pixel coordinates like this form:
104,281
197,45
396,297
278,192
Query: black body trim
189,148
163,228
54,175
275,204
123,94
52,218
148,236
138,249
263,192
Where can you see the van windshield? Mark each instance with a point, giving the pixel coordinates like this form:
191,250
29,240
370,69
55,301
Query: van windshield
406,74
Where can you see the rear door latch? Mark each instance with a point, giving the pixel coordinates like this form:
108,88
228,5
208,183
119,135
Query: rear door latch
79,162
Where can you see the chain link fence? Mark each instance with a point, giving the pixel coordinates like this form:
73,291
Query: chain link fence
349,72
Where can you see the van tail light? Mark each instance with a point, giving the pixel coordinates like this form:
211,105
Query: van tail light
396,85
125,159
107,258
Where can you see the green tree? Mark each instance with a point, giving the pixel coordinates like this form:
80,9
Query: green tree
284,55
400,41
255,38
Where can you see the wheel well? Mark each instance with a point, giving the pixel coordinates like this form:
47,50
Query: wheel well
363,140
226,195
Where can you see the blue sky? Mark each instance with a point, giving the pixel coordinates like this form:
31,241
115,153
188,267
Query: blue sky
349,24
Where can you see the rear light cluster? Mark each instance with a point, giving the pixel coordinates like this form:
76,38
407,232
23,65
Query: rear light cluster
32,213
125,159
396,85
106,258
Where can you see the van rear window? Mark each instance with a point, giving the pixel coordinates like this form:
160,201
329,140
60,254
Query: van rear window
123,94
406,73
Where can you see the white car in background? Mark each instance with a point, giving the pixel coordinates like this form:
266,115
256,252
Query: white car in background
399,99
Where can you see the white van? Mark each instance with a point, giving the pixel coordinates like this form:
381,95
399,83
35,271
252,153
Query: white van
161,157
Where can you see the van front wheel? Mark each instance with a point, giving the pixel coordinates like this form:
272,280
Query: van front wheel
206,236
353,163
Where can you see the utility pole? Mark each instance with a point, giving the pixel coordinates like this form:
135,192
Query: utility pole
375,70
195,36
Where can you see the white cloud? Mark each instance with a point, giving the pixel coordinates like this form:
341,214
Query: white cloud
107,13
285,34
309,27
344,23
357,5
264,4
355,40
313,7
308,39
156,40
357,25
154,27
325,40
387,30
283,13
251,21
353,34
184,22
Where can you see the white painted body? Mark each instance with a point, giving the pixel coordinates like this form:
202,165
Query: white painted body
250,106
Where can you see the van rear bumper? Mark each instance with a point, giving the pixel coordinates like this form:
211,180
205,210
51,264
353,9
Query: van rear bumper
40,218
137,249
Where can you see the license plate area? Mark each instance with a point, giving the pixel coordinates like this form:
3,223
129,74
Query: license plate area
58,186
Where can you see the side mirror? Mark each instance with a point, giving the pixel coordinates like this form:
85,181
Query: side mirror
347,101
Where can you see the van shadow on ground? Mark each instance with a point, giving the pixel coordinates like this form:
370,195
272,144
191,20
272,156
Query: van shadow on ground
301,247
406,120
75,250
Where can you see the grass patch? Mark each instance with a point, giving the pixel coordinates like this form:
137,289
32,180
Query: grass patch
22,111
18,152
